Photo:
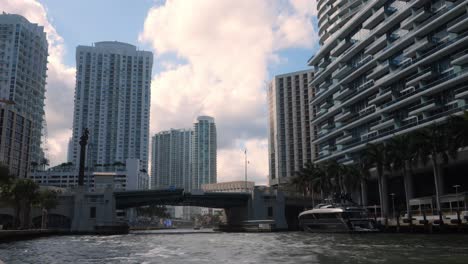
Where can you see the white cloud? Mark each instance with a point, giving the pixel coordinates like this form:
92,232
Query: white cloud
60,78
227,46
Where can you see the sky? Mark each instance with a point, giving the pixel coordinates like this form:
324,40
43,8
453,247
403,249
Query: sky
211,57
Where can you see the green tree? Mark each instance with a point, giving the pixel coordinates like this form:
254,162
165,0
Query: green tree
436,144
23,193
401,155
375,155
363,165
308,180
332,172
458,128
48,199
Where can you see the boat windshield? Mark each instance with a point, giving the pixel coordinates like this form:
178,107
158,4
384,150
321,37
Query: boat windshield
354,214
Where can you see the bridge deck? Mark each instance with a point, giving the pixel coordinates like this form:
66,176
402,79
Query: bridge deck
129,199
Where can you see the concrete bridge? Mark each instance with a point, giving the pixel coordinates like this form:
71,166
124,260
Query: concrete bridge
130,199
85,211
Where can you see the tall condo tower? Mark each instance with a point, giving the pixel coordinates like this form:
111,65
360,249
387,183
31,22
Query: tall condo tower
385,68
23,66
171,159
204,152
112,100
289,137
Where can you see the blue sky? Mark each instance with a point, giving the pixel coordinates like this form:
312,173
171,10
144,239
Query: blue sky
212,57
84,22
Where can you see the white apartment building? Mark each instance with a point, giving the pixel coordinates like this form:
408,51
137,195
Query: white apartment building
23,66
112,100
171,159
289,135
385,68
125,176
204,152
15,137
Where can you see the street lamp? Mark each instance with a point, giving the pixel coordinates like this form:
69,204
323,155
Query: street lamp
393,204
456,186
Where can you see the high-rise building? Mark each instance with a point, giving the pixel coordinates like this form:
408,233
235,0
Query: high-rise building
289,137
15,137
112,100
385,68
23,66
204,152
171,159
70,150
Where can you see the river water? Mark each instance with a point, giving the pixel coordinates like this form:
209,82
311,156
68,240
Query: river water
179,246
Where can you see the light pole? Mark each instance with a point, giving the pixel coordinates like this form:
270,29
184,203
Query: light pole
393,204
246,190
456,186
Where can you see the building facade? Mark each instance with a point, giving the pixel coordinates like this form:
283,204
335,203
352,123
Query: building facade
289,135
171,159
204,155
234,186
15,138
23,66
125,176
385,68
112,100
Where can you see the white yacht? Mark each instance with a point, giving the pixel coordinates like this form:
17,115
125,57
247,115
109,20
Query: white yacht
336,218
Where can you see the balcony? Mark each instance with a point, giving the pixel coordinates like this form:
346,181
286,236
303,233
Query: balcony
442,83
419,45
342,93
341,72
383,124
340,47
343,116
324,93
419,16
368,135
420,76
366,111
375,19
460,24
380,70
323,63
382,96
430,105
377,45
344,139
461,93
460,58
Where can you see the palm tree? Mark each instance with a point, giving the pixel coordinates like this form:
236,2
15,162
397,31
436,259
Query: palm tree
363,165
435,143
306,180
23,193
48,199
34,165
375,155
44,163
332,175
401,156
350,178
458,127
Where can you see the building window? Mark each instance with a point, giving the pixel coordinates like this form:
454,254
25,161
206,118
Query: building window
92,212
270,211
